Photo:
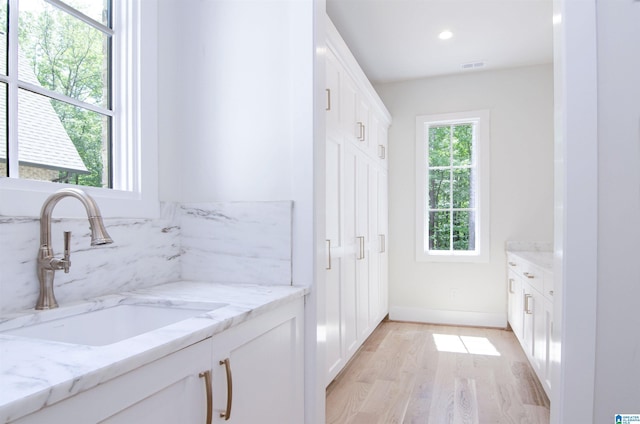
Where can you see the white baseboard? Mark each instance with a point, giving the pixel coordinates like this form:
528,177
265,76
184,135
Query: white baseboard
436,316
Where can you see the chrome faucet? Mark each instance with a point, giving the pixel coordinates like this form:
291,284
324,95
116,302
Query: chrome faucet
47,263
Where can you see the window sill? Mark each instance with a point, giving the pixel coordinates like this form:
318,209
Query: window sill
25,198
453,257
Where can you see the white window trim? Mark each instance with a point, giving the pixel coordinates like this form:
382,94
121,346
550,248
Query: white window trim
482,150
136,108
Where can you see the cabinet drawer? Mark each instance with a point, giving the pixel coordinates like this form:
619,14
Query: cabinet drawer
513,262
533,275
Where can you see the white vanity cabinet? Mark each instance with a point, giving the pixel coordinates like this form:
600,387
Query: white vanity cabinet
169,390
258,370
530,311
356,206
256,366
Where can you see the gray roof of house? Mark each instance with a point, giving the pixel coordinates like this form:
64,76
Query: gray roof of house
43,141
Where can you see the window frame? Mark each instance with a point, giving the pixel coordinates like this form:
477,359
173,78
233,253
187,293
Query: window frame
135,132
481,119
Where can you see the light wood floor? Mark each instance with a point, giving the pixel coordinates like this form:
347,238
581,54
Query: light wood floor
399,375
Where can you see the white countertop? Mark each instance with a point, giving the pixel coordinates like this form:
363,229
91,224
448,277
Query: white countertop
542,259
37,373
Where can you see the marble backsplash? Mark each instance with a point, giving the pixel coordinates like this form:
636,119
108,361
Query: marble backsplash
244,242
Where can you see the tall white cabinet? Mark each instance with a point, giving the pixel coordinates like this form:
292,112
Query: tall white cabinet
356,216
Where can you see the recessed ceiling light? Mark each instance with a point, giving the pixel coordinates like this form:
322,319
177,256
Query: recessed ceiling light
445,35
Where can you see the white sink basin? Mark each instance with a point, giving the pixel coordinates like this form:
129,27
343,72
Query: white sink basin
110,325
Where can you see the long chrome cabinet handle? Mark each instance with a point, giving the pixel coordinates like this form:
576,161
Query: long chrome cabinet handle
526,274
227,413
511,285
328,99
527,307
383,243
361,247
207,383
328,254
382,154
360,131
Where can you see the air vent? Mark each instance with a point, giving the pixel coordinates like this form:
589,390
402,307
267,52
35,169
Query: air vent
473,65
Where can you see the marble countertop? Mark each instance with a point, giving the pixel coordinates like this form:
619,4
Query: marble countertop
37,373
536,253
543,260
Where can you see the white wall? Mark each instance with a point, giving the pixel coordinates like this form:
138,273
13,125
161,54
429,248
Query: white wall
226,81
576,216
521,104
617,377
236,121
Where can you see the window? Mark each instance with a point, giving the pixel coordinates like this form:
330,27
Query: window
452,216
73,108
58,91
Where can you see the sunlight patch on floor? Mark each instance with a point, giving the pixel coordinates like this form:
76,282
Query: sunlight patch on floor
465,344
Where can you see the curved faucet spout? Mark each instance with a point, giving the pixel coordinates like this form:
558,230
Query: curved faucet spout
47,263
98,233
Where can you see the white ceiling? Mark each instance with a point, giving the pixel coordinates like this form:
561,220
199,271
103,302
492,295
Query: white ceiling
398,39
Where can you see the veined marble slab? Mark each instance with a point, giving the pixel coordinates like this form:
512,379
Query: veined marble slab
237,242
537,253
529,246
144,253
37,373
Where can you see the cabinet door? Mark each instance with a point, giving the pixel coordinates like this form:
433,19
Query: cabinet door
548,323
383,230
352,251
515,297
332,106
383,143
362,122
374,247
528,302
363,235
348,99
335,348
539,334
258,370
168,391
372,135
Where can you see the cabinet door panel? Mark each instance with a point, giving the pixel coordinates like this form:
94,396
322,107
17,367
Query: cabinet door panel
539,335
548,313
348,98
528,302
352,251
335,348
266,362
515,297
333,93
162,407
166,391
383,230
334,322
362,231
374,248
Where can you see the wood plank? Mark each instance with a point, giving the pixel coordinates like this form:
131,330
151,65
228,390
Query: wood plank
400,376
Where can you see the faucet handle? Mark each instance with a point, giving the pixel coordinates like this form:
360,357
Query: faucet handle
66,262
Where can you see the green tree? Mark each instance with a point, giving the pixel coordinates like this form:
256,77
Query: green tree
450,187
68,56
